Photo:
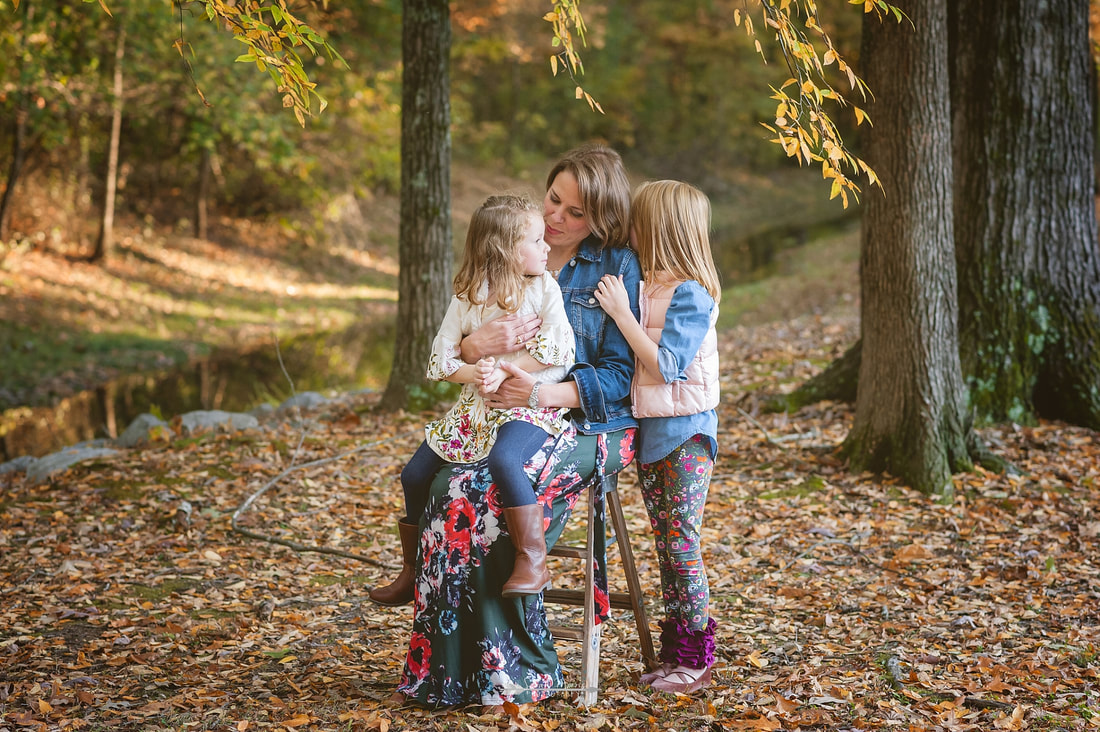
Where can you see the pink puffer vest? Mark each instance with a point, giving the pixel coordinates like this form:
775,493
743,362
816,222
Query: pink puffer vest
698,392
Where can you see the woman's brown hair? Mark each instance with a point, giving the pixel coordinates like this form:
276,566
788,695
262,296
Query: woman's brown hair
604,188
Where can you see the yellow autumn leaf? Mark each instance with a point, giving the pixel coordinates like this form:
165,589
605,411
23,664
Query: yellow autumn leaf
298,721
755,659
836,189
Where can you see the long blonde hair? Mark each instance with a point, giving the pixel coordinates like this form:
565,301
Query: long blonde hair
492,252
604,190
671,224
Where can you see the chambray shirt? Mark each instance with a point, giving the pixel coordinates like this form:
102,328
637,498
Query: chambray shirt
605,363
686,324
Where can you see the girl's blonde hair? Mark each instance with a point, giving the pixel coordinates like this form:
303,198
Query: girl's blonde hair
604,189
492,254
671,225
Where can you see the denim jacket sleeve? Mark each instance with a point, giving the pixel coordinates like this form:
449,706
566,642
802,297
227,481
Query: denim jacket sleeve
603,377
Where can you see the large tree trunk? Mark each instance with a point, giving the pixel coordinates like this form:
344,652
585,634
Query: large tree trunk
19,129
105,241
424,239
1025,223
910,417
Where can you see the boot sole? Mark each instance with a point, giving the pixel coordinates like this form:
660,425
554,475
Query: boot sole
524,593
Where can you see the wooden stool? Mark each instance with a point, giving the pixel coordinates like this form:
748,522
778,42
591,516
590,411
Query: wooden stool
589,632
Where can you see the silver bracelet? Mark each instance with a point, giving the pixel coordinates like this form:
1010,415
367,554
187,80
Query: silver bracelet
533,400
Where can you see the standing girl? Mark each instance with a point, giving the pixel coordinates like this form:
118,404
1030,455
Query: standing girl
503,272
675,393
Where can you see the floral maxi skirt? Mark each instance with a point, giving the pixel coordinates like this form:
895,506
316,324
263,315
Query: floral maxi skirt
469,645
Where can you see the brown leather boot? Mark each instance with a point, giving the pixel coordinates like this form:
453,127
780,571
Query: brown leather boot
529,574
400,591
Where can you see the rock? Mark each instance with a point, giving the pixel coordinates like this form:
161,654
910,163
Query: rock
56,462
262,411
305,400
215,418
140,430
18,465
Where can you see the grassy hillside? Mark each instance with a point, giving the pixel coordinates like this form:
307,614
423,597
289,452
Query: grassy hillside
165,299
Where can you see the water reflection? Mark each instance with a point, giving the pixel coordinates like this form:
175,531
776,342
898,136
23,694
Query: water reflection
356,358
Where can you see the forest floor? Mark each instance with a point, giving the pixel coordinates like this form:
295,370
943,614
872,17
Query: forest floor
844,601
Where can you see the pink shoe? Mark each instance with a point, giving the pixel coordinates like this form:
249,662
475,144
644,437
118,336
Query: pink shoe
682,680
650,676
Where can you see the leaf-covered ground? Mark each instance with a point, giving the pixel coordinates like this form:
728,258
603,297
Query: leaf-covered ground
844,602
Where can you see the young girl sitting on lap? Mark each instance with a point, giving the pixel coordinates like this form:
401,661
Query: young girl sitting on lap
503,272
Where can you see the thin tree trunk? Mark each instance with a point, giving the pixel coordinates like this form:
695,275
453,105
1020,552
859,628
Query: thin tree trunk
105,242
425,241
910,407
202,195
1025,228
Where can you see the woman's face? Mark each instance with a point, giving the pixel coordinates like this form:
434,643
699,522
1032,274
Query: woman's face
566,224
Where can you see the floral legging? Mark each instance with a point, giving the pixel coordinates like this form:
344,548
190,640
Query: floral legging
674,490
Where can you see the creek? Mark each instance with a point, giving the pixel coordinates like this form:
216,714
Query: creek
356,358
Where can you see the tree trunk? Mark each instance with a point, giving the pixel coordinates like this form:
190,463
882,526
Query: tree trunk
424,238
1025,225
19,129
105,241
202,194
910,417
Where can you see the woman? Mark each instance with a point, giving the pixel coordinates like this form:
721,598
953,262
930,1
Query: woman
469,644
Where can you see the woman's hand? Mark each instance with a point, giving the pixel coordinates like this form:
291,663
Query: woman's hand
514,391
612,296
500,336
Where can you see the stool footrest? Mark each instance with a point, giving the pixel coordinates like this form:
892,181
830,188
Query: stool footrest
567,632
573,552
618,600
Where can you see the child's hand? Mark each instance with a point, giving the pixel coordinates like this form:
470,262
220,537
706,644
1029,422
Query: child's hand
492,382
612,296
484,369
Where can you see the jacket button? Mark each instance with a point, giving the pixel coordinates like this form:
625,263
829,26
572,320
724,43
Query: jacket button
591,301
587,426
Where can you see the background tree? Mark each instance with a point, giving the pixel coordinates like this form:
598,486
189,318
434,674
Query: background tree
1025,223
105,240
424,282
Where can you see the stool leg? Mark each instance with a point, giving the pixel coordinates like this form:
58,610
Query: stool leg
590,652
634,585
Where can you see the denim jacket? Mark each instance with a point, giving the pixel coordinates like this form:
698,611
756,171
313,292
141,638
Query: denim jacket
605,362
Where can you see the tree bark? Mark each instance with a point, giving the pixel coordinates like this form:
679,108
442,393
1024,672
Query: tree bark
424,238
19,129
910,417
1025,225
105,241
